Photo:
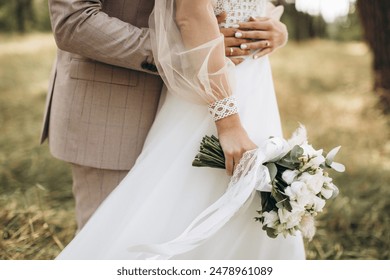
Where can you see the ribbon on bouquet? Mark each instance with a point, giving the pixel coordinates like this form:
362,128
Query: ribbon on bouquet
250,175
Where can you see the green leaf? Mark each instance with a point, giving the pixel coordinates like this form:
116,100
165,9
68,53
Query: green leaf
272,170
296,153
271,232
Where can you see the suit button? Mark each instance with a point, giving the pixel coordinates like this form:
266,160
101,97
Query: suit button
145,65
152,68
149,66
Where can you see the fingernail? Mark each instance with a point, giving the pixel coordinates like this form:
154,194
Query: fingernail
255,57
236,26
238,35
244,46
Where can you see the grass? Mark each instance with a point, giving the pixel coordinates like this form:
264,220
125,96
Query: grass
327,87
35,189
324,85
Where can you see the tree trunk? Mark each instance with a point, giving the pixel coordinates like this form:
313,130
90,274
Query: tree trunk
375,18
24,13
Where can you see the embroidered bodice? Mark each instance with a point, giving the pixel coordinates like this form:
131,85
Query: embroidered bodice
239,10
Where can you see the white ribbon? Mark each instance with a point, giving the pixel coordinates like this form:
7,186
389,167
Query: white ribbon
250,175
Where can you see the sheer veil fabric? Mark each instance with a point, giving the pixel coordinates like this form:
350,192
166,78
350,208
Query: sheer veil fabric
187,72
167,209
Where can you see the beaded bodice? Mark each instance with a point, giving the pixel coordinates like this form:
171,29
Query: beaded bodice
239,10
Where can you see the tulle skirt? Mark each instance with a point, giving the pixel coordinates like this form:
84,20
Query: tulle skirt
164,193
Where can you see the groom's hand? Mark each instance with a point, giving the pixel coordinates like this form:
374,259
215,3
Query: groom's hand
262,34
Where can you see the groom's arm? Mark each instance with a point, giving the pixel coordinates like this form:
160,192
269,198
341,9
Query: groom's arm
82,27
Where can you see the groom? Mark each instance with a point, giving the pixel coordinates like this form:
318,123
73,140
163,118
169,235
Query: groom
104,89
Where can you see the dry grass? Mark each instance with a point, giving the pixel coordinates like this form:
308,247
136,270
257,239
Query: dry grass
30,231
324,85
35,189
327,87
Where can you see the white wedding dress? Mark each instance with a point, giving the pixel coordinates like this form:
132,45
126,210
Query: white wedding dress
163,193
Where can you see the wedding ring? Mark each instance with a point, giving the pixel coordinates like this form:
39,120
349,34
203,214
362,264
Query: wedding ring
231,51
267,44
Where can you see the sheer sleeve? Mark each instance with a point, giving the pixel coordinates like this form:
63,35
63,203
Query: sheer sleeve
189,70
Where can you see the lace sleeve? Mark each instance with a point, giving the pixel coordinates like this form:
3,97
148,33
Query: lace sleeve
189,71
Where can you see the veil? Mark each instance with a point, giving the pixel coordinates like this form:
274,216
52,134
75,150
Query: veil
188,72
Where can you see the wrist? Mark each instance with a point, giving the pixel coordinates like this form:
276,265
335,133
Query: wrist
228,123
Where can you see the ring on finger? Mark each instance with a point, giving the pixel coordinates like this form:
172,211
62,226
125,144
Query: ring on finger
267,44
231,51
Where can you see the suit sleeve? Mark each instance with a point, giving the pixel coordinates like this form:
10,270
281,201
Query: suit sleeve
82,27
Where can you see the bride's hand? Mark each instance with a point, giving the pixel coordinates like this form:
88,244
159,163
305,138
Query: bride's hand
269,34
234,141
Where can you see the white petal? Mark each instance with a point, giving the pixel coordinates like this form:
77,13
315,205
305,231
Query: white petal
327,193
338,167
289,176
330,156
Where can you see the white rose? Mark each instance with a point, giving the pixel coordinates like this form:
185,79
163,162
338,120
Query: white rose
329,190
299,206
289,176
298,194
317,204
294,190
271,219
314,182
290,219
326,192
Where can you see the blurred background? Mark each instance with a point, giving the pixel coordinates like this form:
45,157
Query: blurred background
333,76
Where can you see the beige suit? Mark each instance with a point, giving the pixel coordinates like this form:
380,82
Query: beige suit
104,90
100,106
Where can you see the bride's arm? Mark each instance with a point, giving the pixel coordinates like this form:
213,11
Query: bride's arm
198,25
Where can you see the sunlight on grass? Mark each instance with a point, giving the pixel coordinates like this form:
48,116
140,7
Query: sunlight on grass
322,84
25,64
26,44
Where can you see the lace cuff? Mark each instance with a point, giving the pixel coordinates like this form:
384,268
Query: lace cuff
223,108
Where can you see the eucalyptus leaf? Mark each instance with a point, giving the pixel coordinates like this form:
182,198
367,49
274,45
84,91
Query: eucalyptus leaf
287,164
271,232
296,153
330,156
338,167
272,170
282,204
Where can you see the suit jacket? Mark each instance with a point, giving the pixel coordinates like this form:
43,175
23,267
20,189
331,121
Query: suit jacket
104,91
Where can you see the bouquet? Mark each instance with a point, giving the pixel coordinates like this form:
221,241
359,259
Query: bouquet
298,180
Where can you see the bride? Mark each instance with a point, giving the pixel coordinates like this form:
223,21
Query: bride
165,208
